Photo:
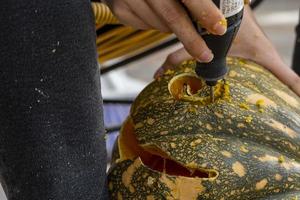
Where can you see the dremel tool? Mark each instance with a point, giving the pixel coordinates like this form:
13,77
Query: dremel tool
216,69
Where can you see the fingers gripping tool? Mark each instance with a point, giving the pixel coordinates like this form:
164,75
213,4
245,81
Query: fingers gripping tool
216,70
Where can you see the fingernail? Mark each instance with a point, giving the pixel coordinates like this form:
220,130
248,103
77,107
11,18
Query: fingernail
220,27
206,56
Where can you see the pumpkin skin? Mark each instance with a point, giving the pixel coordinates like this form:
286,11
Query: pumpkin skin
246,145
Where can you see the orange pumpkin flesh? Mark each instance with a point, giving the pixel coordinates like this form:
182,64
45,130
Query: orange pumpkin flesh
153,158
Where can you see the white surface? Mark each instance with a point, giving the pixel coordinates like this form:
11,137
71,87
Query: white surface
129,80
2,195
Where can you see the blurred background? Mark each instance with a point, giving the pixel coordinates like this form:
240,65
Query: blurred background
277,18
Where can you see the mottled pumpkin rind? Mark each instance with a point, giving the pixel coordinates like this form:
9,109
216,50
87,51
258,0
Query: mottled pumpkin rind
245,153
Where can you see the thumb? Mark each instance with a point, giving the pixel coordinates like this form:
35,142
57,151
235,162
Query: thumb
173,60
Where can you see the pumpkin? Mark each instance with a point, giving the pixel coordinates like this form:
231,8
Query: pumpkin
176,144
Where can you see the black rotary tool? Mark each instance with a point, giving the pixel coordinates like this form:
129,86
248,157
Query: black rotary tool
216,69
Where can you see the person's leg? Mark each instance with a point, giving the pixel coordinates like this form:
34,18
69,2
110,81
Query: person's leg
296,57
51,133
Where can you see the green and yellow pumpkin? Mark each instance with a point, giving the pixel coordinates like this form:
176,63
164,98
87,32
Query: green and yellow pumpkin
176,144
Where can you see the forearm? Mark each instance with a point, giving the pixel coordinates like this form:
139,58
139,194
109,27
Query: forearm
252,43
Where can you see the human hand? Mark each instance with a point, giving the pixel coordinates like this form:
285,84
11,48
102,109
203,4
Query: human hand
171,16
252,44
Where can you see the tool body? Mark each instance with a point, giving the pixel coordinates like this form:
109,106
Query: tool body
216,69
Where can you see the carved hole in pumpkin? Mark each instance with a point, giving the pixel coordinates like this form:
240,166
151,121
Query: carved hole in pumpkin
184,84
154,158
173,168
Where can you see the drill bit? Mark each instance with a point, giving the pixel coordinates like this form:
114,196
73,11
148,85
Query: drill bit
212,96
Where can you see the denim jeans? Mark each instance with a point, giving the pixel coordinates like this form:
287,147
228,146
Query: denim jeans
51,125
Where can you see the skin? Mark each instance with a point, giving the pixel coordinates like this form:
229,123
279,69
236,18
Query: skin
252,44
171,16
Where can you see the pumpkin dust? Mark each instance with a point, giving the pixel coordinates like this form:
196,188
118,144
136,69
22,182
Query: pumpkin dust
189,87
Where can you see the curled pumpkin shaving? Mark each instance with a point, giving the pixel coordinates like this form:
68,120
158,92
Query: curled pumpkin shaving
189,87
